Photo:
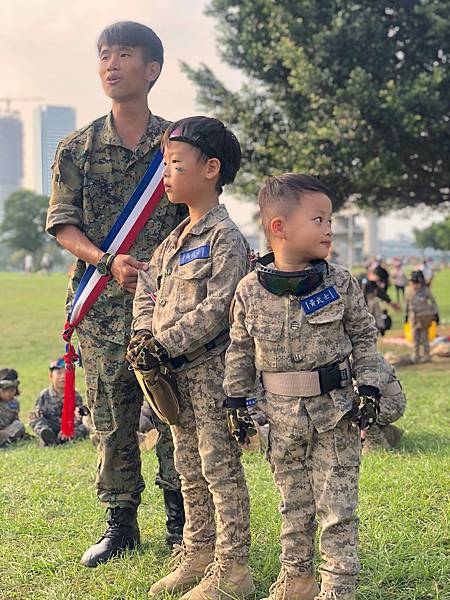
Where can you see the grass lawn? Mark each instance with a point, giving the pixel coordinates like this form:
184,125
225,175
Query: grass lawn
49,513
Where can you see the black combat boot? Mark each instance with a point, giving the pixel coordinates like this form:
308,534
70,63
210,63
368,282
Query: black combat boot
173,502
122,533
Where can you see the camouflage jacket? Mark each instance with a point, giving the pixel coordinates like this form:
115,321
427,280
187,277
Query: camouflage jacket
194,283
420,303
49,406
9,412
274,333
94,176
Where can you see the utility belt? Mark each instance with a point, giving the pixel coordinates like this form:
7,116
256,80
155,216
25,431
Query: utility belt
308,383
180,361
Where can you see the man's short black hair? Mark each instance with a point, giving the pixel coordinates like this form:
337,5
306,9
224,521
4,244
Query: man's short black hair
130,33
280,194
212,139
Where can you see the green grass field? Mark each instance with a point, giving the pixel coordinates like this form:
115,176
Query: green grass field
49,513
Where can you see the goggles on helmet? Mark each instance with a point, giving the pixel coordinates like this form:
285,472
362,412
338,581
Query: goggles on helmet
6,384
296,283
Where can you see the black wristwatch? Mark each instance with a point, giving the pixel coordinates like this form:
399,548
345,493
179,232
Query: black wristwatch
104,264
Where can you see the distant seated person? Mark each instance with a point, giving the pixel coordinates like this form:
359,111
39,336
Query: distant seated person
45,418
11,429
385,435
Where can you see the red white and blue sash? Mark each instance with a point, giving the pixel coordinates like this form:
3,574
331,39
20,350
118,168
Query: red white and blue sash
119,240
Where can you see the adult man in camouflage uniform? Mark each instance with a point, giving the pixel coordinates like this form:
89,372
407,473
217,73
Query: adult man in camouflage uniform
11,428
96,170
45,418
298,326
421,310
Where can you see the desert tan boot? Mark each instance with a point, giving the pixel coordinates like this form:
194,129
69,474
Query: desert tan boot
289,587
329,595
223,581
188,568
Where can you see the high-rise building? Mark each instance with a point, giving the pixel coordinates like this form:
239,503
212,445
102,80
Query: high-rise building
11,155
51,124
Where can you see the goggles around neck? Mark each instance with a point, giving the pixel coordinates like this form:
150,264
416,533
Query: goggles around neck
296,283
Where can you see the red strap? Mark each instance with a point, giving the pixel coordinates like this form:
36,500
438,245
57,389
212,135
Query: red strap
68,412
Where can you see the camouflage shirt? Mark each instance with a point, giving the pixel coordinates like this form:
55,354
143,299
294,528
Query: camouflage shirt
194,282
9,412
420,303
49,406
94,175
274,333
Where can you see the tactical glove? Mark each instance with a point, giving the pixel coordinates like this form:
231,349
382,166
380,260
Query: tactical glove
366,414
145,352
240,423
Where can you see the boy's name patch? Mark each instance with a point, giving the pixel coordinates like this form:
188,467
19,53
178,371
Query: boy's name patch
319,300
194,254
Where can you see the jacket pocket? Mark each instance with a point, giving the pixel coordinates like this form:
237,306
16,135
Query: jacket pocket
194,270
264,328
329,314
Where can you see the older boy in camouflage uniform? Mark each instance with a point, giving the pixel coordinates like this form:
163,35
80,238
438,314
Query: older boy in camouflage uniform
11,428
181,319
297,319
45,418
96,170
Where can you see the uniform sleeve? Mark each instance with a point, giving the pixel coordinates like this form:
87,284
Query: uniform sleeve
65,206
36,412
240,371
434,305
143,303
360,326
210,317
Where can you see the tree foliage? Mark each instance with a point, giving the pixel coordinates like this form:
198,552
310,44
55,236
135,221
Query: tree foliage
23,225
436,236
355,92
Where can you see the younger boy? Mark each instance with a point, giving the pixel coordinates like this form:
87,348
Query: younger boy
11,429
421,310
297,320
45,418
181,320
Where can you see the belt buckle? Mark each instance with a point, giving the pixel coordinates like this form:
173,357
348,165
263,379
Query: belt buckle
329,378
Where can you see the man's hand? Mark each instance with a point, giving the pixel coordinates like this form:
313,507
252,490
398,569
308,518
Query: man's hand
240,423
141,341
125,270
368,410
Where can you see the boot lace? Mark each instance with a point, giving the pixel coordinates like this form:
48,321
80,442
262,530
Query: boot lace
213,573
327,595
278,588
179,553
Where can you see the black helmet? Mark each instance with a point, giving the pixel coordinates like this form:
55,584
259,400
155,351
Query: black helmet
9,378
417,277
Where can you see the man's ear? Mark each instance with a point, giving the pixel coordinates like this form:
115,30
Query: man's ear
212,168
277,228
153,70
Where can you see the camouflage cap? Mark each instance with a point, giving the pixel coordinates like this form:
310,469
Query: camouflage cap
9,378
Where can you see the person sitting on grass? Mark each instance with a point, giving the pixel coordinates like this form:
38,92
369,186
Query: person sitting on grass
45,418
11,428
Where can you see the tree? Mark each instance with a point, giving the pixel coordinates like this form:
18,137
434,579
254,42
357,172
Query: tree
23,224
355,92
436,236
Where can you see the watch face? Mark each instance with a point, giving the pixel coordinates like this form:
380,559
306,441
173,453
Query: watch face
101,268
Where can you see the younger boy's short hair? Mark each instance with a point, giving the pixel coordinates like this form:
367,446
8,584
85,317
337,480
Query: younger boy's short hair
281,194
130,33
212,139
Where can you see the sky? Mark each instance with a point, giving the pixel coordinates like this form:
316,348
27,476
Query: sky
48,50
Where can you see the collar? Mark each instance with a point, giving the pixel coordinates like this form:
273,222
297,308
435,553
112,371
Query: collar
151,138
208,221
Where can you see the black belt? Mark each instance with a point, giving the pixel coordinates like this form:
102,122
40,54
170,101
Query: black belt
179,361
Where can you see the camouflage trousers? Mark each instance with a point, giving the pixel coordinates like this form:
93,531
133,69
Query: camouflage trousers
317,476
12,432
208,460
41,423
420,340
114,400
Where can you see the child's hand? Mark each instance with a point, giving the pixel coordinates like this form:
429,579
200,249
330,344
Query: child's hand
240,423
369,408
